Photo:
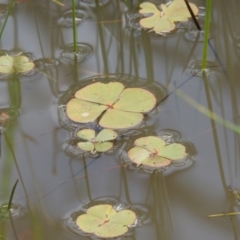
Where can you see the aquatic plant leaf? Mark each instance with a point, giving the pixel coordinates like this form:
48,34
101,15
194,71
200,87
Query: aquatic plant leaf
6,65
82,111
153,151
124,107
116,119
138,155
103,146
86,146
19,64
106,222
106,135
135,100
102,93
156,161
152,143
173,151
86,134
96,143
163,21
22,64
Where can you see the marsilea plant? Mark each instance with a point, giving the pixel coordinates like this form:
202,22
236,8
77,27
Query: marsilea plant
116,107
164,21
152,151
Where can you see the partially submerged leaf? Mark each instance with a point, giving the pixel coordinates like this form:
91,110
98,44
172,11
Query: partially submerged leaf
164,21
18,64
124,107
154,152
106,222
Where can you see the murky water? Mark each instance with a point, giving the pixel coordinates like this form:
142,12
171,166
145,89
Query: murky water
55,185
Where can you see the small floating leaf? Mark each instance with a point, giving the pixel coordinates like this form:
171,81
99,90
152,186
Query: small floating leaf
97,143
154,152
22,64
18,64
103,146
86,134
106,222
124,107
6,64
106,135
163,21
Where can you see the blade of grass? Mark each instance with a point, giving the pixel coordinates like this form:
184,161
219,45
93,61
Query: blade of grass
11,196
223,214
5,21
207,113
206,34
74,27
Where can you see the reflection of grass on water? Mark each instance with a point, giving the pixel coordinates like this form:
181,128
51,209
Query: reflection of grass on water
8,13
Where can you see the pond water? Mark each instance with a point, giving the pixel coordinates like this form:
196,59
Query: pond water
54,184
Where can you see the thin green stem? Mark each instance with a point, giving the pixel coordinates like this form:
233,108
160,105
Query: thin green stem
5,21
207,112
223,214
74,27
11,196
206,34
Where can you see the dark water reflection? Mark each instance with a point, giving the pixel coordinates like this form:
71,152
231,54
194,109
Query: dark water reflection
53,184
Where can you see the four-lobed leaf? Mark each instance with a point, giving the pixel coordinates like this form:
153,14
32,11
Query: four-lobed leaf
153,151
164,21
105,222
18,64
96,143
118,107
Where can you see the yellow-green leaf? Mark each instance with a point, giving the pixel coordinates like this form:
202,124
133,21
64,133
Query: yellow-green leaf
22,64
101,93
105,222
154,152
86,146
135,100
82,111
103,146
164,21
106,135
86,134
116,119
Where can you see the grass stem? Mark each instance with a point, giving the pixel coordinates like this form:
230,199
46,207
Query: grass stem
206,34
74,27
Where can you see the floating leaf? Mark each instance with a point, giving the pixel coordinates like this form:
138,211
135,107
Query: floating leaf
97,143
120,108
164,21
154,152
104,221
18,64
86,134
